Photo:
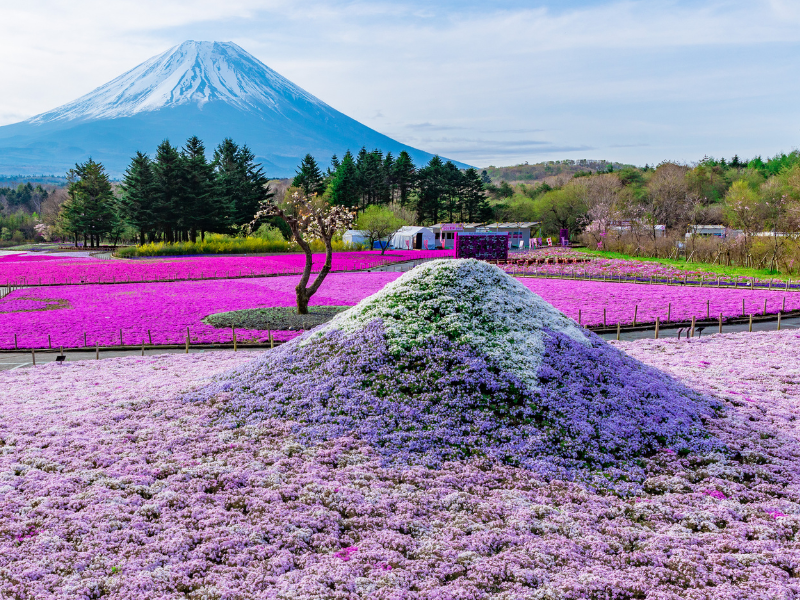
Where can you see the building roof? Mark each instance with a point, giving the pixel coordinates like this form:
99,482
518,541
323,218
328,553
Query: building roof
520,225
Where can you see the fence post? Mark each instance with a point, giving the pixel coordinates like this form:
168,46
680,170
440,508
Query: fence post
120,338
96,351
15,342
33,356
779,321
693,322
618,328
669,312
657,324
84,339
49,343
604,317
233,329
271,340
635,314
765,307
143,348
579,316
750,329
149,337
784,305
187,340
720,322
708,309
742,306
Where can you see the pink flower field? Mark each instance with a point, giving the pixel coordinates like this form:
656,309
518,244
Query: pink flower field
627,269
113,486
167,309
27,270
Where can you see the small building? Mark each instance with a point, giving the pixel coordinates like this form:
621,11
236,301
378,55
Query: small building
413,238
445,233
519,234
719,231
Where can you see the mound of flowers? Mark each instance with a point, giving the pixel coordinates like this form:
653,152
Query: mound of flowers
455,360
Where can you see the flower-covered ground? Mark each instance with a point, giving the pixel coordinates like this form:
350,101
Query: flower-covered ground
167,309
112,486
456,359
25,269
616,267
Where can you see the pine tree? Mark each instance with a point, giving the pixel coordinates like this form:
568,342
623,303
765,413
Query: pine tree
240,183
343,188
90,209
309,178
432,187
138,196
476,206
404,177
170,192
203,212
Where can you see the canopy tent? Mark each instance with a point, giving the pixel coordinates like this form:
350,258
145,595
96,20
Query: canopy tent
414,238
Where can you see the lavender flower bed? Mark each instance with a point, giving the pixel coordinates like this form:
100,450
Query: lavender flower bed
456,359
112,486
87,271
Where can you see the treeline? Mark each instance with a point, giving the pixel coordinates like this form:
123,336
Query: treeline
436,191
176,196
24,197
624,209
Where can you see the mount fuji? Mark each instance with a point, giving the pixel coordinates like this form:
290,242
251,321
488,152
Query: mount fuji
212,90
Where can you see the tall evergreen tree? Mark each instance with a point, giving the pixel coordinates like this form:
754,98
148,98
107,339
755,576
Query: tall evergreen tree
309,177
404,177
241,184
432,187
371,178
170,191
138,196
343,188
203,213
476,207
90,209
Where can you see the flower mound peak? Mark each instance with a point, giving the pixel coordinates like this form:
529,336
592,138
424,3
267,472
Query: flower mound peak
456,360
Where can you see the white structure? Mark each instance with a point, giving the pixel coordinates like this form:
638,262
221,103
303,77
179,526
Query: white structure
354,236
413,238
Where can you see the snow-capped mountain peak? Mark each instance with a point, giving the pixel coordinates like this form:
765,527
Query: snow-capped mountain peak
190,73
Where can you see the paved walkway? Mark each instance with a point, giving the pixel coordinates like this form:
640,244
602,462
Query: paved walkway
20,360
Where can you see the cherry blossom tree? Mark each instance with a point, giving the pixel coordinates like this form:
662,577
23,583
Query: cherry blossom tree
309,217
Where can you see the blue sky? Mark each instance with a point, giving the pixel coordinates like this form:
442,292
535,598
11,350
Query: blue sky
490,82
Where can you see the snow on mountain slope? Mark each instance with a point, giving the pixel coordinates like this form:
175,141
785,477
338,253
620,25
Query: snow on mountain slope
193,72
213,90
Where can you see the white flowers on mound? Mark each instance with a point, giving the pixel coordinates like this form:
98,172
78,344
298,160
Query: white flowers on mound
470,302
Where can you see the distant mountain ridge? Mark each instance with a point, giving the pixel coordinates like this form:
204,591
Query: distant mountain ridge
209,89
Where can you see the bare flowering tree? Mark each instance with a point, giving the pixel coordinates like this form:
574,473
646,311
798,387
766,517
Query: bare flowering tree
309,217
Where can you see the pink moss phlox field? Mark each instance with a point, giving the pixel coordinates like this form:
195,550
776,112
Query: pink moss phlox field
613,267
112,487
621,299
165,309
25,272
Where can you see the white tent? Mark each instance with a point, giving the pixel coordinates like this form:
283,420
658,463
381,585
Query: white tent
354,236
414,238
